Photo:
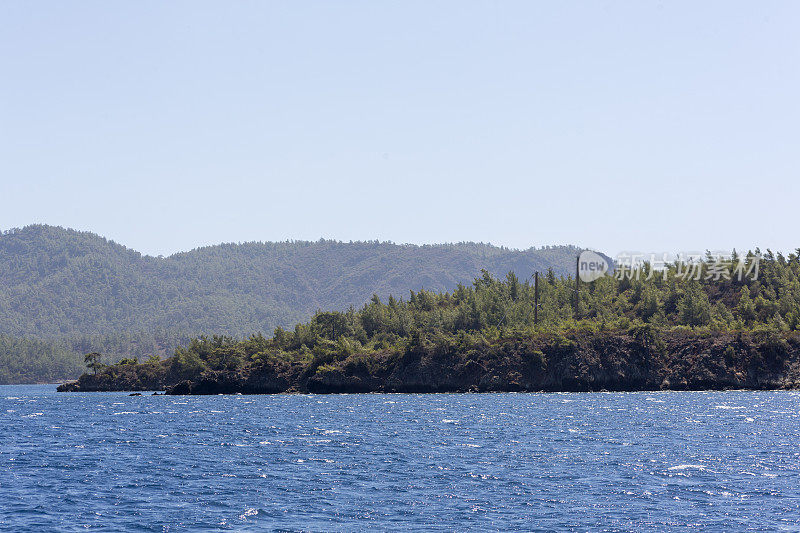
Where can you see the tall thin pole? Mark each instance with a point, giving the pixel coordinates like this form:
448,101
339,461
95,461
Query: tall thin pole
577,283
535,298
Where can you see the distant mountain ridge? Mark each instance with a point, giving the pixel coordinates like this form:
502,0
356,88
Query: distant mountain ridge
57,282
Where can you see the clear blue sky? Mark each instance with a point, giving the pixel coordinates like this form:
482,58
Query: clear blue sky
653,126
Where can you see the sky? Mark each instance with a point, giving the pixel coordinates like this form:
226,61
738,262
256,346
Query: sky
640,125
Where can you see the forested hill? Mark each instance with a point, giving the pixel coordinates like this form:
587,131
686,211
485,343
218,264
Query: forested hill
56,282
672,330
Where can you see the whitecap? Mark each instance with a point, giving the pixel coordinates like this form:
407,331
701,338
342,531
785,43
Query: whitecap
248,512
481,476
684,467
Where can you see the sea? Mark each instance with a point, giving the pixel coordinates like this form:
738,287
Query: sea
641,461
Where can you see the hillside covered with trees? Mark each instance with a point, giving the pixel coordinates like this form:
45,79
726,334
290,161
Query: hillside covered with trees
64,292
666,330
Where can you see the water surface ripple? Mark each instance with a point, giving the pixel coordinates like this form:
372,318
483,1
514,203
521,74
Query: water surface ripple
610,461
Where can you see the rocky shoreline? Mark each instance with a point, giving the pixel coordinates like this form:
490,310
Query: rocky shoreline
643,359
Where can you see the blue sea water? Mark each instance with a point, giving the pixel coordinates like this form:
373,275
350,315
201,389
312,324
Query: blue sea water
596,461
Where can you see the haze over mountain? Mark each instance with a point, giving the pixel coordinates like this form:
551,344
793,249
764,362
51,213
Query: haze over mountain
83,292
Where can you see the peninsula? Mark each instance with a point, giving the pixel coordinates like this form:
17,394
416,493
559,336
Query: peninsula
636,331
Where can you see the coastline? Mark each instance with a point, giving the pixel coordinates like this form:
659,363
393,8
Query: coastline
579,361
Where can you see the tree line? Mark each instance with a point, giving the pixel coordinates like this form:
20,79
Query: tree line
490,309
64,293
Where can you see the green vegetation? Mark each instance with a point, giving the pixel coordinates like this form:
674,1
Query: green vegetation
486,331
92,361
34,360
64,293
37,361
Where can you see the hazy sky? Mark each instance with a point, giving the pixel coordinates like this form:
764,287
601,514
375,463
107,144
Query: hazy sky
653,126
